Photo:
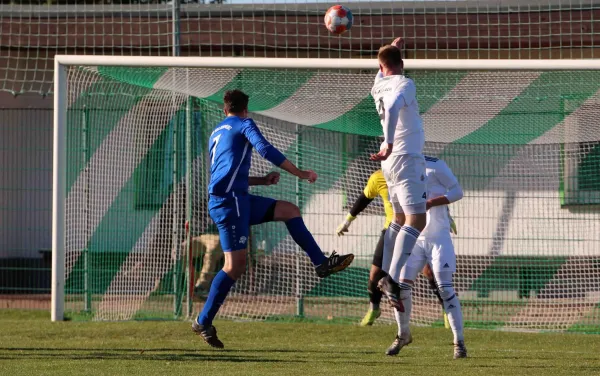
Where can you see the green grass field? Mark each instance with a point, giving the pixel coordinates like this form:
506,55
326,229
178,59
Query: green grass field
32,345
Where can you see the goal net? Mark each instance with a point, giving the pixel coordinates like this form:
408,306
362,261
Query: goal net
134,170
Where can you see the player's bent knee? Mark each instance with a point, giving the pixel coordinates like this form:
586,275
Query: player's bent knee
446,290
235,263
428,273
235,271
285,211
400,218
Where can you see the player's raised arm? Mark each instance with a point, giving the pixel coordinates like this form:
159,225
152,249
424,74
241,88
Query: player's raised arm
260,143
270,179
445,176
398,43
308,175
270,153
361,203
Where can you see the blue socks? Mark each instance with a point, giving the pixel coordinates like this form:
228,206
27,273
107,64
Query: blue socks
218,292
222,283
305,240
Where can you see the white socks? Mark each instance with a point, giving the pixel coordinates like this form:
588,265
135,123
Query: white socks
389,242
451,304
403,318
405,242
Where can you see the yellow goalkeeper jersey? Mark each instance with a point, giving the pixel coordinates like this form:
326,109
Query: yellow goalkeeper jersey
376,186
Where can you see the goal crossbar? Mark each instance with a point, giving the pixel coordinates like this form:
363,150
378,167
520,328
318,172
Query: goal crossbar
315,63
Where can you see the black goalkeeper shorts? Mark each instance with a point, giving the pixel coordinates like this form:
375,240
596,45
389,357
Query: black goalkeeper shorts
378,256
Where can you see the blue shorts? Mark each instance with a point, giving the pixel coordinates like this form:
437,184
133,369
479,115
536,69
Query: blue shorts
234,214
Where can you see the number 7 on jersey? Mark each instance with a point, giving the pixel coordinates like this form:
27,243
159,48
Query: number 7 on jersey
213,151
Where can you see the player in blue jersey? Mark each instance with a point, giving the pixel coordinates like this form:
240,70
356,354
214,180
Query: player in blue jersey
234,210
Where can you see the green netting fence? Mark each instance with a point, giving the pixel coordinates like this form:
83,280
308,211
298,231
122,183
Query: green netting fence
34,31
522,143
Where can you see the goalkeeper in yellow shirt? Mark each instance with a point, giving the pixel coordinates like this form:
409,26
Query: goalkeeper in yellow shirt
376,186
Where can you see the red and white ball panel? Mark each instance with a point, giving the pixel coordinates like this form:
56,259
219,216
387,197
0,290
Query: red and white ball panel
338,19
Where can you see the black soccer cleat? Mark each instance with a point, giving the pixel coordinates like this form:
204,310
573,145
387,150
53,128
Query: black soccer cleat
460,350
208,334
391,290
335,263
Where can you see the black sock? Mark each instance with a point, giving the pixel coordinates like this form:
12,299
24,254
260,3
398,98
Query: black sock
374,294
436,291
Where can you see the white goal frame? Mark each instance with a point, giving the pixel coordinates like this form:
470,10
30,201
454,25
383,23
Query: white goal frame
61,62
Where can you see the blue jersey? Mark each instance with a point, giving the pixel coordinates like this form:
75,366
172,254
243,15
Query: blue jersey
230,147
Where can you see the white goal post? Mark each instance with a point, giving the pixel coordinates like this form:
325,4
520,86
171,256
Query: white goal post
61,102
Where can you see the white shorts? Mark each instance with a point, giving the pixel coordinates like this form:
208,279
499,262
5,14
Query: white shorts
406,179
437,252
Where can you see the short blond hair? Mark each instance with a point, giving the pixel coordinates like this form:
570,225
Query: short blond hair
390,56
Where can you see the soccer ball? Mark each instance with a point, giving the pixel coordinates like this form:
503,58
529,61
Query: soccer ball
338,19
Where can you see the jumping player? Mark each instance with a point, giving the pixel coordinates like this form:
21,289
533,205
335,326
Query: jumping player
434,247
234,210
402,163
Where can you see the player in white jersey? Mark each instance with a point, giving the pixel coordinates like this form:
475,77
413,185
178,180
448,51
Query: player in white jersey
435,247
402,162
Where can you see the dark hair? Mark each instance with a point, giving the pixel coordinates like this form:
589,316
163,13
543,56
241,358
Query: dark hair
235,101
390,56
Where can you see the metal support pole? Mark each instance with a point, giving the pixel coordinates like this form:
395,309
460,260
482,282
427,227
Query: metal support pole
299,297
176,51
175,228
86,252
188,201
59,192
176,15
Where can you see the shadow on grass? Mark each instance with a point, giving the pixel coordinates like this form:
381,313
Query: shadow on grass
64,355
166,354
202,348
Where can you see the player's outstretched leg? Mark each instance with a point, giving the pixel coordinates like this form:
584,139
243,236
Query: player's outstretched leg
235,265
403,338
389,239
403,246
386,285
290,214
454,311
400,240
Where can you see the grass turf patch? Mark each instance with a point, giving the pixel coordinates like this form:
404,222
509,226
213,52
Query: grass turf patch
31,344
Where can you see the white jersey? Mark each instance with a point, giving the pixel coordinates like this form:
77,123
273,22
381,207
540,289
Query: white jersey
396,102
440,180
